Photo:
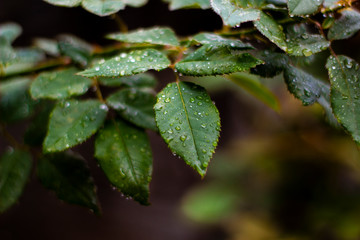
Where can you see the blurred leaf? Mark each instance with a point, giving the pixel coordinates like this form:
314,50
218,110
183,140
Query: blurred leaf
15,167
157,35
134,105
10,31
69,177
15,101
123,152
188,122
344,77
7,53
135,3
126,64
274,64
303,7
103,7
233,15
346,26
272,30
138,80
49,46
75,48
59,84
214,39
64,3
72,122
252,84
179,4
215,60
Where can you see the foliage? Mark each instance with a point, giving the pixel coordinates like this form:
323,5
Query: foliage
49,84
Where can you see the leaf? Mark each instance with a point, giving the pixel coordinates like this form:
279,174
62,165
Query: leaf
233,15
15,101
213,39
72,122
135,3
188,122
179,4
344,78
274,64
7,53
157,35
301,43
303,7
69,177
10,31
126,64
103,7
59,84
215,60
252,84
15,167
134,105
272,30
49,46
346,26
75,48
138,80
64,3
123,152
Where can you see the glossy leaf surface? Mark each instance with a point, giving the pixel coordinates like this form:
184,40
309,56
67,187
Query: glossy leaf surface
346,26
189,123
103,7
214,39
64,3
138,80
303,7
123,152
72,122
274,64
10,31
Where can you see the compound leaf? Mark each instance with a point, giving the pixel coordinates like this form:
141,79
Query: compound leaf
126,64
189,123
123,152
15,167
69,177
59,84
72,122
134,105
157,35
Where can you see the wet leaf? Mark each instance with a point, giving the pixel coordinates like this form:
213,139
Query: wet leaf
134,105
138,80
189,123
75,48
214,39
123,152
215,60
103,7
59,84
179,4
233,15
346,26
15,167
7,53
64,3
126,64
69,177
252,84
274,64
72,122
135,3
272,30
157,35
344,77
303,7
10,31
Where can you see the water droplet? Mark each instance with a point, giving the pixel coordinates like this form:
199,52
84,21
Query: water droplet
178,128
167,100
97,69
192,100
183,138
203,125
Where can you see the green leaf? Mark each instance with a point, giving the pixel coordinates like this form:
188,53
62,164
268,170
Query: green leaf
59,84
134,105
75,48
138,80
15,167
123,152
7,53
274,64
214,39
179,4
157,35
10,31
303,7
272,30
215,60
126,64
301,43
49,46
64,3
15,101
346,26
345,84
135,3
69,177
72,122
103,7
188,122
252,84
233,15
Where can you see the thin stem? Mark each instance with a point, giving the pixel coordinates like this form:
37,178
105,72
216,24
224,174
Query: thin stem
120,22
97,90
